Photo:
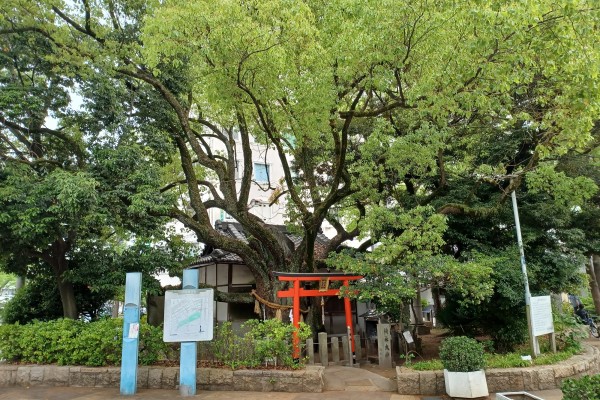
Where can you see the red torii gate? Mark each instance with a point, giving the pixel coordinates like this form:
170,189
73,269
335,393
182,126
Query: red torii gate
297,291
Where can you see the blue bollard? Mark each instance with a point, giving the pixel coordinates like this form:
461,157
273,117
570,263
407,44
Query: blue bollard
187,360
131,328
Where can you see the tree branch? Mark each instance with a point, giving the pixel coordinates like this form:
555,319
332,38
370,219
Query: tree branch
87,30
247,160
372,113
226,297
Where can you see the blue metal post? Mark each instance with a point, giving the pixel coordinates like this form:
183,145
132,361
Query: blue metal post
187,360
131,325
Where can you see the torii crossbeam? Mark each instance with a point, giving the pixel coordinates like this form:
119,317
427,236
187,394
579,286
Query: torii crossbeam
297,291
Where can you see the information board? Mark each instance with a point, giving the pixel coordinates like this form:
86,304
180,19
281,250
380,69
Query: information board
541,315
188,315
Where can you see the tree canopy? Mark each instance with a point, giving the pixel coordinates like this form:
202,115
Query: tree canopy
70,184
386,114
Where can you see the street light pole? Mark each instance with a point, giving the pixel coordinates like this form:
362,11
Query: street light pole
532,340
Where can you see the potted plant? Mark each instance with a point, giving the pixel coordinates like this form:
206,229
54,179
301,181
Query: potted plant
463,360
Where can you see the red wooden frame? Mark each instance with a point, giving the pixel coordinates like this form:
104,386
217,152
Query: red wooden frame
297,291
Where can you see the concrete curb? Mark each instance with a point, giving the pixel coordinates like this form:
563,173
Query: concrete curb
506,380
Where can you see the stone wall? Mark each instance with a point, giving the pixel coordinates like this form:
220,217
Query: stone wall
506,380
309,379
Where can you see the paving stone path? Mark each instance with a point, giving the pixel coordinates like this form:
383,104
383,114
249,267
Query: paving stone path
356,380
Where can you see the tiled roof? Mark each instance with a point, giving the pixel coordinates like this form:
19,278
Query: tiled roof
217,256
235,230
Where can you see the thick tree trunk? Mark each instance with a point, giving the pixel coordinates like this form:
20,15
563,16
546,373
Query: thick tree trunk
418,308
266,290
20,282
437,301
67,297
314,318
115,309
593,270
56,257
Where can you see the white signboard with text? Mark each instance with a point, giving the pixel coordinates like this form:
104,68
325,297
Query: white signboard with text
188,315
541,315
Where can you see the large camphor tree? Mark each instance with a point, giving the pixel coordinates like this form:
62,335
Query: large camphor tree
366,104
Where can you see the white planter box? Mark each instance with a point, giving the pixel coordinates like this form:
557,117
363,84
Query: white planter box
467,385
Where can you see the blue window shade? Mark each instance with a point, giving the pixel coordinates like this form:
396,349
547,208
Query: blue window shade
261,172
224,216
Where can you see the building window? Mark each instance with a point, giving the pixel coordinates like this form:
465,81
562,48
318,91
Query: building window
261,172
261,209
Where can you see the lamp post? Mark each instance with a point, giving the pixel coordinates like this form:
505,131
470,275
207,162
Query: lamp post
532,340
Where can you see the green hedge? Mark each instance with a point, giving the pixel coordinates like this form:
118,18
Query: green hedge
70,342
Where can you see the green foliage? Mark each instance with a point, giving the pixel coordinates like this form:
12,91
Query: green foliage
570,192
231,349
584,388
548,357
429,365
152,347
39,343
498,316
407,258
70,342
262,342
72,192
513,359
272,339
35,301
6,279
416,141
568,331
40,300
462,354
96,344
508,360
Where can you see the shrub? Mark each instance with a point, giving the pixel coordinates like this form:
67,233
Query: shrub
273,339
462,354
41,342
35,301
9,342
39,300
99,343
231,349
584,388
569,333
69,342
262,341
506,360
501,317
152,347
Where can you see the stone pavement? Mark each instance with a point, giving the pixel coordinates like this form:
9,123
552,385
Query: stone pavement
72,393
356,380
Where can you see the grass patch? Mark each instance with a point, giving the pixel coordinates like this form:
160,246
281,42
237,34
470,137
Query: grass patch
430,365
509,360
